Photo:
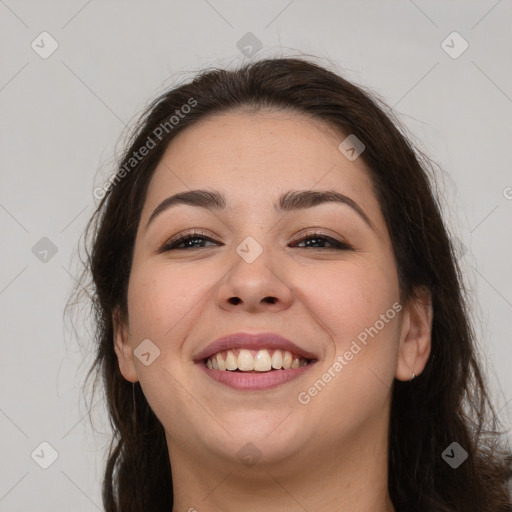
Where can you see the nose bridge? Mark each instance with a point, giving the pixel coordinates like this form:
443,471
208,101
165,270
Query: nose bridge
252,262
253,228
256,278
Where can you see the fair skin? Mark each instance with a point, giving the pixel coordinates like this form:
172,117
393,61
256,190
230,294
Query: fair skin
331,452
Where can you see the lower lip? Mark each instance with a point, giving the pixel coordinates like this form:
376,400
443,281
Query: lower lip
255,381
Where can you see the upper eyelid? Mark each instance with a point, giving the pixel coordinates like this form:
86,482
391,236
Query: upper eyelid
204,233
319,232
178,238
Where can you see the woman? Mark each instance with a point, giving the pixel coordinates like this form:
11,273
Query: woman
280,314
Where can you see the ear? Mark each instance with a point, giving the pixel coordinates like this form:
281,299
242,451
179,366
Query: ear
122,347
416,335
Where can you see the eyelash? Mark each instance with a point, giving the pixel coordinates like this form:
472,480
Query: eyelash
200,235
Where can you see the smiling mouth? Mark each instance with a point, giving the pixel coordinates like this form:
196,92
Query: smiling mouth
255,361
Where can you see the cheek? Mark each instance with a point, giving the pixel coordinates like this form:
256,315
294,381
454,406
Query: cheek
349,298
161,299
358,306
163,306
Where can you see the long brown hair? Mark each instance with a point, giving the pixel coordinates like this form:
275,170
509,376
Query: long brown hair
447,403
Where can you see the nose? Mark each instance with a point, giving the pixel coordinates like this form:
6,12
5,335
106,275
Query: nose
256,286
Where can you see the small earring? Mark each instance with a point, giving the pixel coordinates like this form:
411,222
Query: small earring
413,375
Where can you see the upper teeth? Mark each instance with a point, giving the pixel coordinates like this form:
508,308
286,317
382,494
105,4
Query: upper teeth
257,360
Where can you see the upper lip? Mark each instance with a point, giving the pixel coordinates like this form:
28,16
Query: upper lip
253,341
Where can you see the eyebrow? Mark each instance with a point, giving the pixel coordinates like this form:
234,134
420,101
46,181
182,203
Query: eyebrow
289,201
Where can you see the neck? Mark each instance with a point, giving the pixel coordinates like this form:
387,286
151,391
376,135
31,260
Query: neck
351,478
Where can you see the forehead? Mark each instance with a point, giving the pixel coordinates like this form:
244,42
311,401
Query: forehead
253,157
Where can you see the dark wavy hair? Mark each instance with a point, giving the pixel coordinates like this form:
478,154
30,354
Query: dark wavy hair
448,402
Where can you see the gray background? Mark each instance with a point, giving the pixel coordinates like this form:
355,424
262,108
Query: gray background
60,121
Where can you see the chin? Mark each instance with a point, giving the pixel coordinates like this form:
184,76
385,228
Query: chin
260,438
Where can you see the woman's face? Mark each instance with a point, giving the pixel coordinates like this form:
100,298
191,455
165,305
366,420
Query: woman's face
257,268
